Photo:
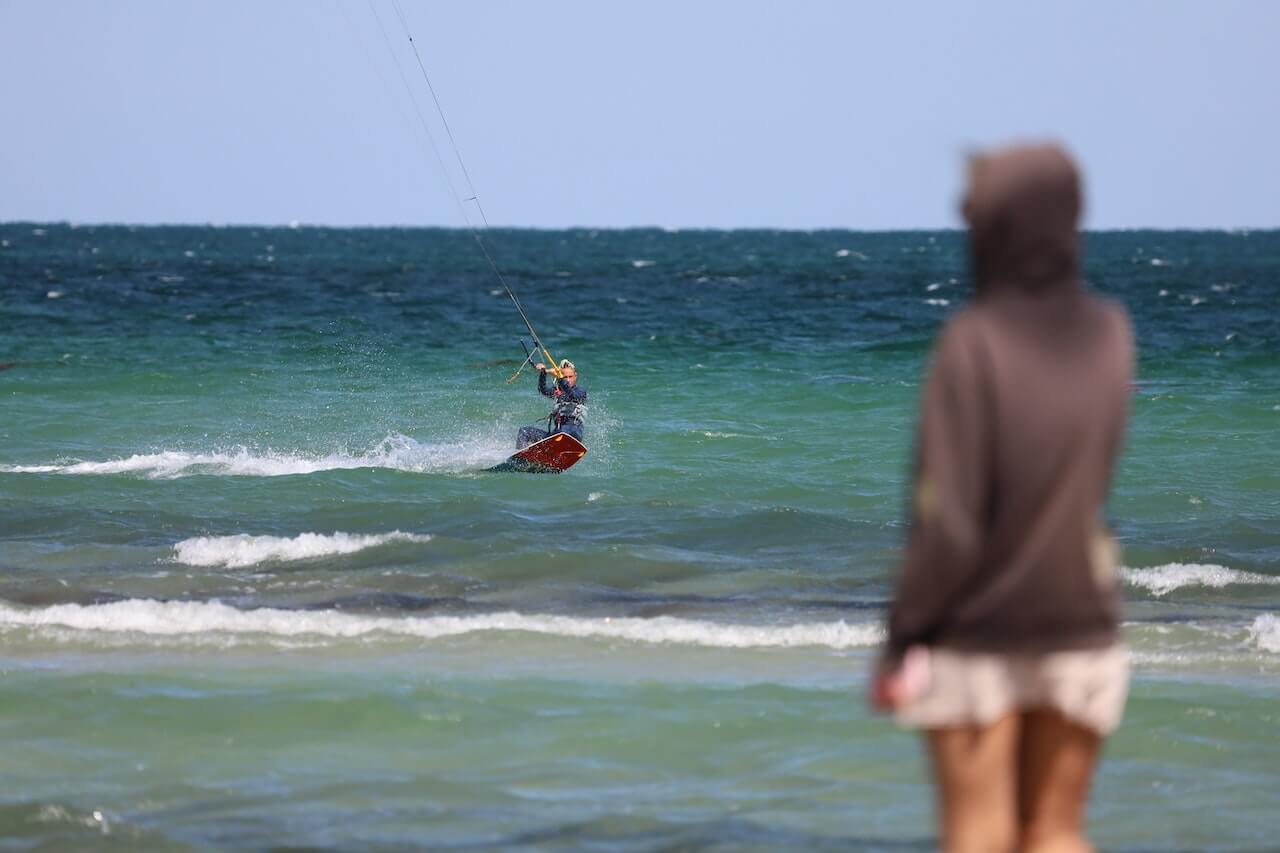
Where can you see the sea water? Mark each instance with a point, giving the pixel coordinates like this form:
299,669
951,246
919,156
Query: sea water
256,586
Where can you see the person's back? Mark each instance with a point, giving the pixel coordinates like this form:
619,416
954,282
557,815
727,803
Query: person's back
1009,577
1021,473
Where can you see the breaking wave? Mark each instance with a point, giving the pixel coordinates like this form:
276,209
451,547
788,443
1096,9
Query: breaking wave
398,452
214,619
236,552
1265,632
1162,580
214,623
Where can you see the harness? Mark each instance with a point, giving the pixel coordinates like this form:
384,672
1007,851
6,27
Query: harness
567,411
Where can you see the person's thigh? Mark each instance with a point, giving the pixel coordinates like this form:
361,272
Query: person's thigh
529,435
975,768
1056,761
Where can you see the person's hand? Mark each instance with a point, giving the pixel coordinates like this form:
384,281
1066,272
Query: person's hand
540,366
896,683
884,693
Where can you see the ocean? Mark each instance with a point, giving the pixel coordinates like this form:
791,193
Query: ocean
257,587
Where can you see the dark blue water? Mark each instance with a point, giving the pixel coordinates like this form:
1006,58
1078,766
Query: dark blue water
255,583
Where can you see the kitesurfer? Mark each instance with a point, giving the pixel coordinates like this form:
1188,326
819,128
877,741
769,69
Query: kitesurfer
569,411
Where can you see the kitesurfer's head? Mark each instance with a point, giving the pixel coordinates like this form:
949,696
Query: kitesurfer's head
568,371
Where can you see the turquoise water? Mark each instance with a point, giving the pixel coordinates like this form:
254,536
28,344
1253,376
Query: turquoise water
256,586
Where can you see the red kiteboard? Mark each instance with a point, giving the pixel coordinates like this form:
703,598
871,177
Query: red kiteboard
551,455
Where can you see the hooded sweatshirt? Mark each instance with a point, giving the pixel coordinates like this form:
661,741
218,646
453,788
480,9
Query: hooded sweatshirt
1022,415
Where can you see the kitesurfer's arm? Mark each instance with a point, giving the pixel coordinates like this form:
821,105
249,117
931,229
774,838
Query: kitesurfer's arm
542,381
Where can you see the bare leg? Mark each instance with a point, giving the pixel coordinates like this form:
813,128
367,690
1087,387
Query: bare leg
975,769
1056,760
529,435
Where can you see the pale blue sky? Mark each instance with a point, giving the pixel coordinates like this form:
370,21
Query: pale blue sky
721,114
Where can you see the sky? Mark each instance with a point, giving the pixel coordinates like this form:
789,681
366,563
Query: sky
674,113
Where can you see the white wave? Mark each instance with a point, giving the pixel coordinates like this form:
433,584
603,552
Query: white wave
642,264
236,552
396,451
203,620
1210,646
1162,580
1265,632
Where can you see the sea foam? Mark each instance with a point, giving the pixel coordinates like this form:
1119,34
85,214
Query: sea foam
397,452
1162,580
235,552
1265,632
213,620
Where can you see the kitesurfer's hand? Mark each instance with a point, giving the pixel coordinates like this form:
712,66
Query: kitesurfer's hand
541,366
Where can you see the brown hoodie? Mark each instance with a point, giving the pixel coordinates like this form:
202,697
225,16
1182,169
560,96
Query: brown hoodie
1021,417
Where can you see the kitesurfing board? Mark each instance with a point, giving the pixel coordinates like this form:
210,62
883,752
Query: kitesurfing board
551,455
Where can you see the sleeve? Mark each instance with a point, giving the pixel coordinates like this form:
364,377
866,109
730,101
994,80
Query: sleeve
542,384
1128,347
951,485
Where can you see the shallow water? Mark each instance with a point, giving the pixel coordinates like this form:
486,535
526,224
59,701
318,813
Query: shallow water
258,587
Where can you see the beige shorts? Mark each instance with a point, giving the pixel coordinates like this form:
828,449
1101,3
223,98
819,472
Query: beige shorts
977,688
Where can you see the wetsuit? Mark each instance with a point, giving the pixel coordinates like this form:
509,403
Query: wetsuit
567,415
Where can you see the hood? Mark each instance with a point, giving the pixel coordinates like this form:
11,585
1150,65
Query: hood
1022,206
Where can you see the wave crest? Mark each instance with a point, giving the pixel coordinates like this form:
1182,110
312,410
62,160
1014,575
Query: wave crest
1161,580
212,618
397,452
241,550
1265,632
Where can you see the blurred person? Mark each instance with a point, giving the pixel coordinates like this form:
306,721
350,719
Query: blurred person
1003,644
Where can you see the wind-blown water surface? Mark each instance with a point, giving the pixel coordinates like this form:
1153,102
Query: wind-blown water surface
256,585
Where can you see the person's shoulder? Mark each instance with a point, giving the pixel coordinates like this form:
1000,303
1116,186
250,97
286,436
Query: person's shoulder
1112,314
1112,307
962,329
965,320
958,346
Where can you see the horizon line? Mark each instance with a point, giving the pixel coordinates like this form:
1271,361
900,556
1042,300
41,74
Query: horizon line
297,225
